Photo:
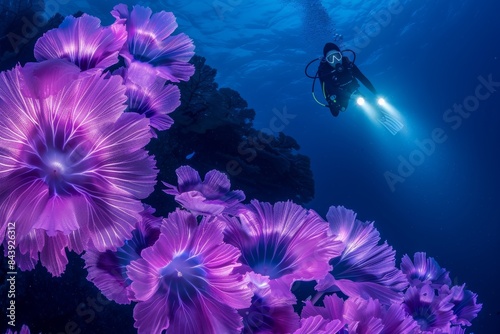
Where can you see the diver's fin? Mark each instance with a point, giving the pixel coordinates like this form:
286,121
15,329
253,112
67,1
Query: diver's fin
390,123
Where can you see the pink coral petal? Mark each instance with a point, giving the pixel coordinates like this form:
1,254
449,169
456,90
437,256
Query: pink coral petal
53,256
152,316
145,280
41,80
59,215
195,202
206,316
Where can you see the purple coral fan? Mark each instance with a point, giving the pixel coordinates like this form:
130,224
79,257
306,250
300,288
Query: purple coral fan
150,44
424,270
185,282
284,242
432,301
73,163
208,197
150,96
433,312
268,313
107,270
364,268
83,42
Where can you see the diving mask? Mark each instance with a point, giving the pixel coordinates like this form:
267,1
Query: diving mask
333,57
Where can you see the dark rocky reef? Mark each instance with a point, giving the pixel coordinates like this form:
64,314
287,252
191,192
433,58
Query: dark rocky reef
217,126
22,22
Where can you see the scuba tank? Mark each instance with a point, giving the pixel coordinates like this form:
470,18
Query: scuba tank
316,76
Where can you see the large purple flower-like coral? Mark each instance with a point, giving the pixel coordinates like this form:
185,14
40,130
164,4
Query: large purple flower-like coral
151,45
364,268
83,42
107,270
73,163
185,282
432,301
211,196
284,242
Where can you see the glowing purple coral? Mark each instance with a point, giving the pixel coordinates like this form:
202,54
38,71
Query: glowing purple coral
365,268
424,270
431,311
83,42
73,164
150,44
466,307
284,242
150,96
211,196
185,282
432,301
268,313
107,270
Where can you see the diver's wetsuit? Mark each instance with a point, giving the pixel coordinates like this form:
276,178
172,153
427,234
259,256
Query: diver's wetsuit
340,82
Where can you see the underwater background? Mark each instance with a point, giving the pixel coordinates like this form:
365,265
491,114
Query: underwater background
425,57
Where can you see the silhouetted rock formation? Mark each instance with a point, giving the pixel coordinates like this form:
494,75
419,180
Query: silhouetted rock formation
22,22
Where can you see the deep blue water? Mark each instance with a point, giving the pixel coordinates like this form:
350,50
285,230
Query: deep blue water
424,57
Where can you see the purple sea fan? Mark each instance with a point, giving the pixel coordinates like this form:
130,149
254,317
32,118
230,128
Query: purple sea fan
284,242
433,302
466,307
107,270
73,163
327,319
268,314
424,270
431,309
148,95
211,196
82,41
185,282
150,43
364,268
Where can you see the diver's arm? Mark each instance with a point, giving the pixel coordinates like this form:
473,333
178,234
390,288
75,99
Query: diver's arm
364,80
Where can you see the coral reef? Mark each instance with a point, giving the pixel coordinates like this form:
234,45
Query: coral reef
73,130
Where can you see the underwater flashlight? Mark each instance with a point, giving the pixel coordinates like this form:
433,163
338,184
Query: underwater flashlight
360,101
381,101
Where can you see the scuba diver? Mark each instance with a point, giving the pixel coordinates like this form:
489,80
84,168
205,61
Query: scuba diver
339,77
